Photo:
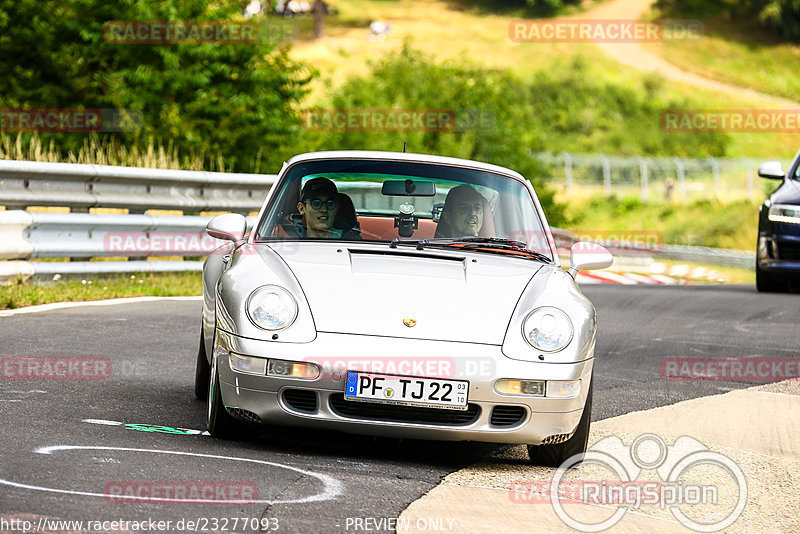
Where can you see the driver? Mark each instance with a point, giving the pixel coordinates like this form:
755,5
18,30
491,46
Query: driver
319,204
462,214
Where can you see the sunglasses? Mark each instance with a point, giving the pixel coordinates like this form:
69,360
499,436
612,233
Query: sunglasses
316,203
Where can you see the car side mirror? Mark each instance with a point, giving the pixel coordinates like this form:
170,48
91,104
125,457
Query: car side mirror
586,256
772,170
229,226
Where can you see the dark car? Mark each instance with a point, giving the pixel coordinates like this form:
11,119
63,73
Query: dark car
778,256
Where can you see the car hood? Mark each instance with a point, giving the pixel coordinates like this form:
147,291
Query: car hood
431,294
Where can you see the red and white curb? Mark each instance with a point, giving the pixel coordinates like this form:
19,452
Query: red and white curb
660,275
606,277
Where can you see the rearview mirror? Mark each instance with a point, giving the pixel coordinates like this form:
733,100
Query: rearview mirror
772,170
229,226
586,256
408,188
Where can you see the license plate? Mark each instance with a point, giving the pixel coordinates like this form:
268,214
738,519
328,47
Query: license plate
406,390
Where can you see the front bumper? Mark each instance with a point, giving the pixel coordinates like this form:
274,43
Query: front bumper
263,398
779,252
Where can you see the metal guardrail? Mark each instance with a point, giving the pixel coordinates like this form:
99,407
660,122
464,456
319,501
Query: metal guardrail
30,183
713,256
654,176
25,235
9,270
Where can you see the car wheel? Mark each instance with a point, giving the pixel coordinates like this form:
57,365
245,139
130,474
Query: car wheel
556,454
202,371
221,424
767,282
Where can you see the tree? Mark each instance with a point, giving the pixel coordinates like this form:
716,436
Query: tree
233,99
781,17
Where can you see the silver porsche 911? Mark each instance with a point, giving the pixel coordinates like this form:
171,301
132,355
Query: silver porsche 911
400,295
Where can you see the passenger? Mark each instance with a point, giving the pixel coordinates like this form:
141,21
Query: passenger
319,204
464,213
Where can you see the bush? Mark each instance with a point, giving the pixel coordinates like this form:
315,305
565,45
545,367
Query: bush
236,100
780,17
573,108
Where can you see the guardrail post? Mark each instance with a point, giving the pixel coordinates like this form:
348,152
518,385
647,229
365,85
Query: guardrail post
568,170
681,175
606,175
715,173
81,209
643,173
136,211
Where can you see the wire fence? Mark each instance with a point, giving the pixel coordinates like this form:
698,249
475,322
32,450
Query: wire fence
649,178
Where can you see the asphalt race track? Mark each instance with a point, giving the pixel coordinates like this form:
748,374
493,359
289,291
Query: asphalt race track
309,481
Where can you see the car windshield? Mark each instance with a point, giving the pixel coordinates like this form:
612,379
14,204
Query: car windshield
404,202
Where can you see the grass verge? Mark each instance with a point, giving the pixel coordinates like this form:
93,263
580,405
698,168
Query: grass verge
453,31
18,294
740,54
722,274
707,223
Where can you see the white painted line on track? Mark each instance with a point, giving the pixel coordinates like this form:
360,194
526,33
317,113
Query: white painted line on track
332,487
107,302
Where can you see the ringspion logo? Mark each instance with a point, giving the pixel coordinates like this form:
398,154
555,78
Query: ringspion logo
690,476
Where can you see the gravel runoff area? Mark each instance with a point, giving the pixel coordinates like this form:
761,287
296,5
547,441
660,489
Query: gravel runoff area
757,428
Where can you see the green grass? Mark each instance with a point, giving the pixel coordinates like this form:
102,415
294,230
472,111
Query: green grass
734,52
458,32
18,293
707,223
30,147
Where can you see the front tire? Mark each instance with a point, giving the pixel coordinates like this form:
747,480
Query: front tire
556,454
768,282
221,424
202,371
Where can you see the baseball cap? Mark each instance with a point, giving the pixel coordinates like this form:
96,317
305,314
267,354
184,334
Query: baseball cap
318,185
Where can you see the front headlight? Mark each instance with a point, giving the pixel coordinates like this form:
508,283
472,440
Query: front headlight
547,329
784,213
271,308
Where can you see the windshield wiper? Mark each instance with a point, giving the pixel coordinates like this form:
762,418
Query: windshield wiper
472,243
420,243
